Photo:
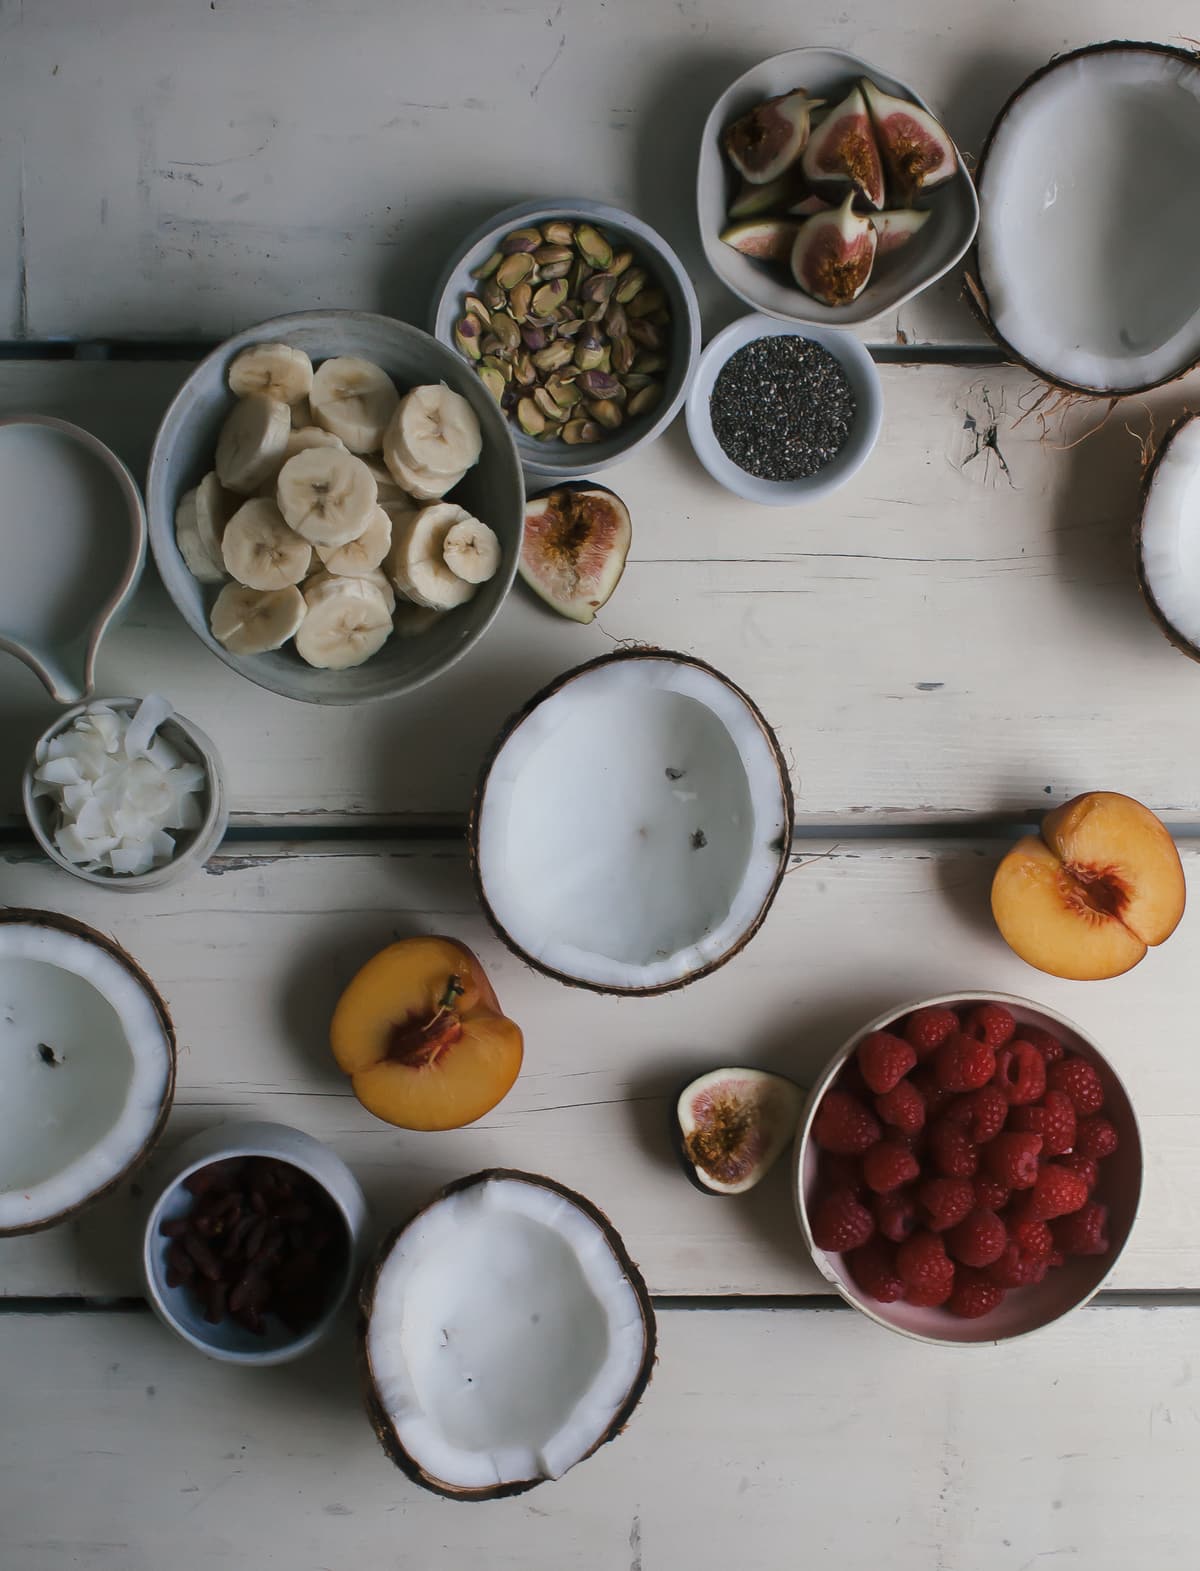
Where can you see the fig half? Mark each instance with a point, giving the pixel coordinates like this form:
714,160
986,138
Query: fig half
732,1124
896,228
573,553
834,254
842,150
918,153
765,239
762,144
753,200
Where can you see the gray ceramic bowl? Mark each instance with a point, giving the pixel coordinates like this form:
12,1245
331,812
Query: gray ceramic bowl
493,491
559,460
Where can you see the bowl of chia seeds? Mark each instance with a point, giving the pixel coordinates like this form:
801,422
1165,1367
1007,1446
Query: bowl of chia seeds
780,414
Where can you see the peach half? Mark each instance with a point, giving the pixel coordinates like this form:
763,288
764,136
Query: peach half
420,1033
1102,884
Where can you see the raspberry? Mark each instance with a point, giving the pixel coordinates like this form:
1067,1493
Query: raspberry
841,1221
1013,1158
981,1113
884,1060
895,1215
840,1172
1086,1166
843,1124
1081,1083
990,1193
1053,1119
1048,1046
933,1096
925,1269
1033,1238
954,1153
974,1294
886,1166
1014,1269
903,1107
872,1267
945,1202
1020,1072
990,1023
963,1064
1057,1192
1097,1138
1057,1258
927,1029
978,1240
1083,1232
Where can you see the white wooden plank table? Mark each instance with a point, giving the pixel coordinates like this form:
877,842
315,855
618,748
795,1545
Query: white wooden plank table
947,646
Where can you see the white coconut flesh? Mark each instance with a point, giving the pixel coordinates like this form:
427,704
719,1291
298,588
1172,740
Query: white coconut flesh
1170,535
504,1336
85,1064
1089,233
630,828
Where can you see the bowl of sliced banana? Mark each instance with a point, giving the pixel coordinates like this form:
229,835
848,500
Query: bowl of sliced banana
335,506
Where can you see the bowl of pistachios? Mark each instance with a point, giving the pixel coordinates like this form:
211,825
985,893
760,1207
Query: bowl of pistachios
581,322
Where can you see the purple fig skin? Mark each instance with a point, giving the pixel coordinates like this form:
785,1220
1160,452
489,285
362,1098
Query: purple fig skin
843,151
765,239
915,148
769,140
897,227
834,254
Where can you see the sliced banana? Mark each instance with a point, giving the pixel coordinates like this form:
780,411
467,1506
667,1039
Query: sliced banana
420,484
472,551
416,563
363,555
302,414
347,622
386,486
252,443
410,621
435,430
251,621
198,559
327,495
354,399
259,549
214,508
303,437
275,370
376,576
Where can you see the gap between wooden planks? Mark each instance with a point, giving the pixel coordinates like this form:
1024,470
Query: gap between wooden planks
252,953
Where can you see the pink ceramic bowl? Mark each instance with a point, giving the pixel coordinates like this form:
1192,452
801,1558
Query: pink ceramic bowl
1023,1309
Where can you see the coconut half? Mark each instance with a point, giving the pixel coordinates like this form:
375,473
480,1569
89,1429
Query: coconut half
1089,229
1167,537
632,826
87,1067
505,1335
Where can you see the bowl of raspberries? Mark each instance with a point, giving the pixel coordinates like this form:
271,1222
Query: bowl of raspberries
969,1168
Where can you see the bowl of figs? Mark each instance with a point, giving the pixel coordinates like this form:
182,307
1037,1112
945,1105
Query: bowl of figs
828,191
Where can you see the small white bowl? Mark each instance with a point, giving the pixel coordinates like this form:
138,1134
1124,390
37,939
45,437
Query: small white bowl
863,378
559,460
941,244
228,1341
195,846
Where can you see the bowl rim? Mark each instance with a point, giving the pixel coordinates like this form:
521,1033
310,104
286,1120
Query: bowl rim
855,66
608,451
218,1143
161,530
205,839
846,349
804,1134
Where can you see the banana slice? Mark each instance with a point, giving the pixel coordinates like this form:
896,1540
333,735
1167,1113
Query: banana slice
274,370
252,443
327,495
375,576
347,622
472,551
354,399
410,621
386,487
259,549
199,560
363,555
416,563
435,430
302,414
420,484
301,438
251,621
214,508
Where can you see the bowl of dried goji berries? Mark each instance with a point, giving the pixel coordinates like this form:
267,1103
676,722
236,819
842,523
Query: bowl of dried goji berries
968,1168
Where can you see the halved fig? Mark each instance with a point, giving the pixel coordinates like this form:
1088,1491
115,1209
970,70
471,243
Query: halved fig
843,151
765,239
916,150
808,205
753,200
834,254
897,227
732,1124
762,144
576,540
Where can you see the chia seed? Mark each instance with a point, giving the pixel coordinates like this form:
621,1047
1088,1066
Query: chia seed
782,408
